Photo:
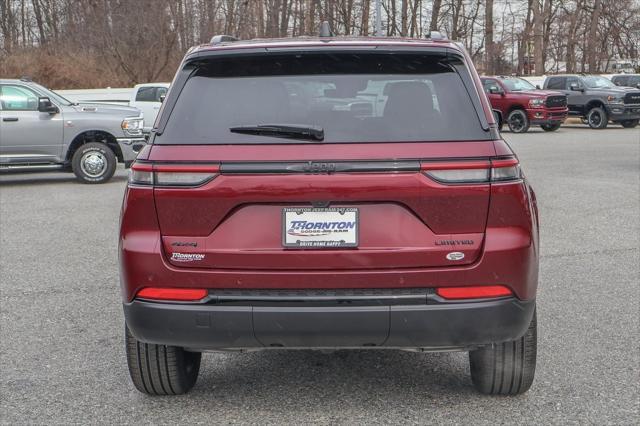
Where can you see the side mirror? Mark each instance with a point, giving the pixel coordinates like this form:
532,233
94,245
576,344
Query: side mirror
45,105
162,98
575,87
496,91
538,87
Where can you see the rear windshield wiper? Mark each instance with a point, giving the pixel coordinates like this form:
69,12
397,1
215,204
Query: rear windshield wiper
288,131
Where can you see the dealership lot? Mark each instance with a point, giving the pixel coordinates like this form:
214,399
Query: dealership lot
61,332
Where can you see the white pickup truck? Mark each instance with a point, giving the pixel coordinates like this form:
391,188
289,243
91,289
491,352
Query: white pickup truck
146,97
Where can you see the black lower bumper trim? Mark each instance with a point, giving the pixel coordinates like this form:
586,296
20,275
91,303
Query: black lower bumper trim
623,113
549,121
427,326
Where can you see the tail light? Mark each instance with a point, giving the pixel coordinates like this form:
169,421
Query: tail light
469,172
148,174
176,294
474,292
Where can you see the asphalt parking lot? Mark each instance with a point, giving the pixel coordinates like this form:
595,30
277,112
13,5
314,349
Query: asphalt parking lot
61,336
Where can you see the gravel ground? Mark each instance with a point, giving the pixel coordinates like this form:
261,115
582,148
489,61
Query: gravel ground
61,336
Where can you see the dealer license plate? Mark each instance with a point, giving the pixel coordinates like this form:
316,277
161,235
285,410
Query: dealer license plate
307,227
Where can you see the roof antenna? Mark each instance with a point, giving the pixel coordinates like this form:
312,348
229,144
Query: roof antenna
325,30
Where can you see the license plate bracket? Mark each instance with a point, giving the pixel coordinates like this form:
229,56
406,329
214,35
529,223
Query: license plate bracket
320,228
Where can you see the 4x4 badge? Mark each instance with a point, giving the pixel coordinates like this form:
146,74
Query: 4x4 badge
184,244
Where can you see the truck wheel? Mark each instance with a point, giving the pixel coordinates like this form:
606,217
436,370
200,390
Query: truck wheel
94,162
506,368
597,118
159,369
550,127
629,124
517,121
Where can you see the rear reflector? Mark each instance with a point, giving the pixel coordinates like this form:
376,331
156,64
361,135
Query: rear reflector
178,294
172,174
465,172
474,292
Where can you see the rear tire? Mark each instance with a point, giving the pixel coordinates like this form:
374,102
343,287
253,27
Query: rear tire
597,118
629,124
94,162
160,369
518,121
506,368
551,127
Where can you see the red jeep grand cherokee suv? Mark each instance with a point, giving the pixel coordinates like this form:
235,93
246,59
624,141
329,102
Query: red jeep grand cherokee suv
521,105
328,193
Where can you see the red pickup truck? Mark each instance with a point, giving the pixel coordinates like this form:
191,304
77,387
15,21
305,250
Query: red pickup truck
520,104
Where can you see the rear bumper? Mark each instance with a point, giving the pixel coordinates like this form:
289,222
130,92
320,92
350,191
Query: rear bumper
429,325
623,112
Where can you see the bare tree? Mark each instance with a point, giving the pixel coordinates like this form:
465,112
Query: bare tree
115,46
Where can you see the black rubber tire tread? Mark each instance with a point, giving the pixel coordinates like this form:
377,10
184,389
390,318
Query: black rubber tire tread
604,118
506,368
160,369
112,162
526,125
550,127
629,124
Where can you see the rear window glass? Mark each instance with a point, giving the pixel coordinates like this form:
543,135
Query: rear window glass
361,97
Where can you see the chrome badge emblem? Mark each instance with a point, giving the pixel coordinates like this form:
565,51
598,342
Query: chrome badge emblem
455,255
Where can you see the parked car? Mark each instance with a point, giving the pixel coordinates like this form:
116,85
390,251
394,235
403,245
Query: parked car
266,215
521,105
148,98
596,100
626,80
41,130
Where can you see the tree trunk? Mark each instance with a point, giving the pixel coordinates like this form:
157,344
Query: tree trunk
592,42
435,14
37,11
570,57
364,25
415,23
488,38
404,18
538,37
457,9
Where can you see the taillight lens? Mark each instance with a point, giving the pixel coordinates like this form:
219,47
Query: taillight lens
469,172
141,174
172,174
177,294
474,292
460,176
505,170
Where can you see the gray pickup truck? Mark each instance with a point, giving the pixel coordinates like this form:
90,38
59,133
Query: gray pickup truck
596,100
40,130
